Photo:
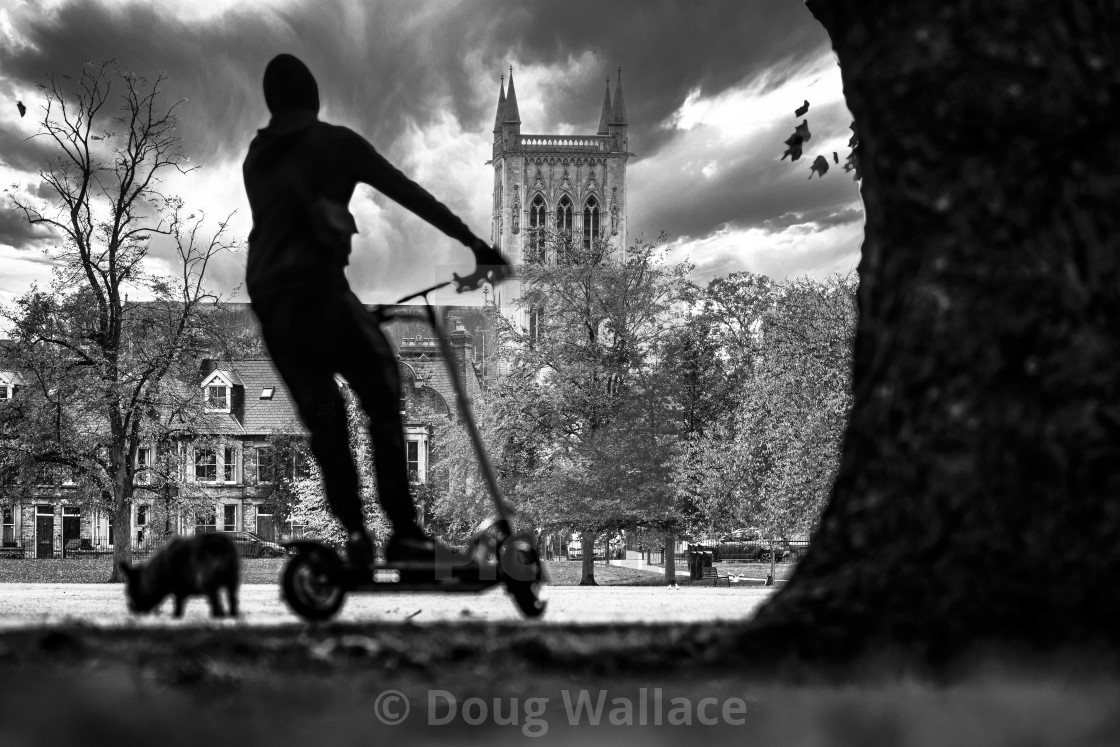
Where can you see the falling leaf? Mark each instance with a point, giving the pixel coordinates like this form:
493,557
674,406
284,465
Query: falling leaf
820,167
800,111
796,141
21,107
835,157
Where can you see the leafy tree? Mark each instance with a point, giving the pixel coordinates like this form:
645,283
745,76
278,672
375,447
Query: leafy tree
696,373
303,483
769,462
597,321
102,364
457,496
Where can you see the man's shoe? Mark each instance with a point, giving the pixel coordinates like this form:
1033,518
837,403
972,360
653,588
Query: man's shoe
419,550
359,550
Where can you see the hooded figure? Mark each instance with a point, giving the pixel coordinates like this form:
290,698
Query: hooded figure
300,174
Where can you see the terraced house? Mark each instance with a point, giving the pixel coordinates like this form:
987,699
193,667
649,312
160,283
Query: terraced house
224,472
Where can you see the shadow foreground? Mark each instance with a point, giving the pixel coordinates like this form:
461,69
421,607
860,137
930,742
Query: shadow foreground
502,683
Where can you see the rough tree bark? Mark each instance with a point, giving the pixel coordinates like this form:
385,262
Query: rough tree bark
977,500
670,560
587,568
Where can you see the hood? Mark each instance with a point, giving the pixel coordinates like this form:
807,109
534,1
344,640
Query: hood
289,87
292,95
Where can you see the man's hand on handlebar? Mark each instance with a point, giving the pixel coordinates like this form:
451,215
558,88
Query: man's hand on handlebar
490,267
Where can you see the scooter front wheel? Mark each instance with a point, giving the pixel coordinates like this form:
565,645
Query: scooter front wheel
523,574
312,585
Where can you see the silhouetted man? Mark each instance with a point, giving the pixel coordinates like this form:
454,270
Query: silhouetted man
300,174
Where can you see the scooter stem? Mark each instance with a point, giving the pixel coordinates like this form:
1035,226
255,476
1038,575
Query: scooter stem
424,293
505,511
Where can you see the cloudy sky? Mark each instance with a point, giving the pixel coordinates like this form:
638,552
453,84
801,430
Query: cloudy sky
710,89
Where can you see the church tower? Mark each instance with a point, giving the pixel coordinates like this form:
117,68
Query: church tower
575,183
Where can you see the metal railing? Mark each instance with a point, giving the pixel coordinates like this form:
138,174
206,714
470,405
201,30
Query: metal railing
657,557
30,548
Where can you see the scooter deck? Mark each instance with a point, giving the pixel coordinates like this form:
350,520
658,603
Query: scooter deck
422,576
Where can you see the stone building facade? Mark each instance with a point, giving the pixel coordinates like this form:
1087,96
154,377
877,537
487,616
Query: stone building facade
570,183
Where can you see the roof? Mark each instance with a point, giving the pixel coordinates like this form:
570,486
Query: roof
229,375
11,378
259,416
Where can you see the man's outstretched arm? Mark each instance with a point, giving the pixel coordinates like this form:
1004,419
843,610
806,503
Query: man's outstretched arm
375,170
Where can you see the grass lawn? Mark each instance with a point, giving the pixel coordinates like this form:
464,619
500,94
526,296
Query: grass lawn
96,570
569,572
782,571
267,570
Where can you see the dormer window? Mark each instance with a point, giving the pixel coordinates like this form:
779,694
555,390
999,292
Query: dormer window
217,390
9,383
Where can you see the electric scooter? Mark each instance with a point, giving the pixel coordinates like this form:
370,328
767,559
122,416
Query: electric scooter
316,579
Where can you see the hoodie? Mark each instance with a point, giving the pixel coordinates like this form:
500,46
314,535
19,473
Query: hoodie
300,174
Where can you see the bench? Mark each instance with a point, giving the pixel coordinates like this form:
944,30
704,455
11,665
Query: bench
709,573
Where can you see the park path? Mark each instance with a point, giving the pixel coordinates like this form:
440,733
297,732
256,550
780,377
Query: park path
103,605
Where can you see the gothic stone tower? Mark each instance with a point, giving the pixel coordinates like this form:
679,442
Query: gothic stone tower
570,182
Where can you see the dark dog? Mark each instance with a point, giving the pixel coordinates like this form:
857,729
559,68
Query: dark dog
186,566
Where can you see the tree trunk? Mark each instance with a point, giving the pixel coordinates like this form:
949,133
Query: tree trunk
773,562
587,541
976,502
122,514
670,561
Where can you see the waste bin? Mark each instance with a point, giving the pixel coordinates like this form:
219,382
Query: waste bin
698,560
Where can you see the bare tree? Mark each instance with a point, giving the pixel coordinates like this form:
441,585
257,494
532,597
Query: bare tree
109,366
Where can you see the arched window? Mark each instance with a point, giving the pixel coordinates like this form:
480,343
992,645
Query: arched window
563,229
590,222
564,214
536,227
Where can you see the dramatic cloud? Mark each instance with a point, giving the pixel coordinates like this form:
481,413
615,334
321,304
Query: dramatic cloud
710,93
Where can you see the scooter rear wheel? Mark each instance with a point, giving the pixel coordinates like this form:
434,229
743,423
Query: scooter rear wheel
524,575
312,585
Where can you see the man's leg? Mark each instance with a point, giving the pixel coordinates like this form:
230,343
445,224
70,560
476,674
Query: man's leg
301,340
371,369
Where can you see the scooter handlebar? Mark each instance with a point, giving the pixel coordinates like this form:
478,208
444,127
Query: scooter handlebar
492,274
490,266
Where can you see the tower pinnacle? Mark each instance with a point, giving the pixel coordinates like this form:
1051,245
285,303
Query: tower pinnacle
618,113
512,115
605,116
500,116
